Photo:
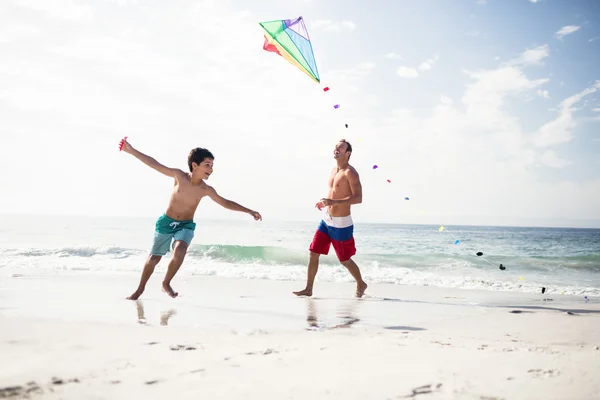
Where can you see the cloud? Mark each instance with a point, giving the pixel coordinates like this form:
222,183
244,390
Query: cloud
597,109
566,30
533,56
534,1
481,2
332,26
393,56
560,130
428,64
543,93
593,39
550,159
60,9
446,100
411,72
12,31
407,72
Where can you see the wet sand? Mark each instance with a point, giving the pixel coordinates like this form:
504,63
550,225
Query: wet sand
74,336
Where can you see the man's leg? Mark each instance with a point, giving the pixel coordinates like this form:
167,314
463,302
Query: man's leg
320,245
345,249
313,267
178,255
361,286
149,266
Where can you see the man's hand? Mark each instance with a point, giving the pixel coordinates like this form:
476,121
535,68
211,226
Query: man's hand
125,146
324,203
256,215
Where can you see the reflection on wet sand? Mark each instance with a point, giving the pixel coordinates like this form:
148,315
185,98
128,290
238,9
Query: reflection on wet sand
164,315
346,312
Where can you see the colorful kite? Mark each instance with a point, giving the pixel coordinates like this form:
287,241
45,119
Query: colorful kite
289,38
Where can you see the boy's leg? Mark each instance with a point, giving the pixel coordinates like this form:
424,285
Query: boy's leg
160,247
149,266
183,239
176,261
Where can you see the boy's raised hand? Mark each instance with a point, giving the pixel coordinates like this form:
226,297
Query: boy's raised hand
256,215
125,146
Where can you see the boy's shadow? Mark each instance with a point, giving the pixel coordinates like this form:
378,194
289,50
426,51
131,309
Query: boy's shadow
164,316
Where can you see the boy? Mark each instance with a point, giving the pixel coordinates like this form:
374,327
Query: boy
176,224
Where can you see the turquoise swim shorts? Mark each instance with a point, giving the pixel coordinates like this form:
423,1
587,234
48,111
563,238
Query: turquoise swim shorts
168,231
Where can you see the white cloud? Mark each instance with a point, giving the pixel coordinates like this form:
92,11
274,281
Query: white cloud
428,64
566,30
407,72
393,56
560,130
60,9
446,100
597,109
533,56
332,26
534,1
593,39
481,2
550,159
543,93
10,32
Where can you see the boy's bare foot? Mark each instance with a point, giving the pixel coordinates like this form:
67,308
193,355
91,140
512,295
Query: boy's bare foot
305,292
167,288
135,295
360,289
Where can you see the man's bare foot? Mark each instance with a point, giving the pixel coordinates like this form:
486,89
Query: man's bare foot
167,288
360,289
135,295
305,292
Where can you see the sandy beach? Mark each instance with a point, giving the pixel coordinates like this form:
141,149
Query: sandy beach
74,336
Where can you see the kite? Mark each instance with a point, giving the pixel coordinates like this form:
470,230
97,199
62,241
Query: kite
289,39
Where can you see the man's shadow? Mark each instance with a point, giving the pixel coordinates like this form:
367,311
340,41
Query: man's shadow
346,312
164,316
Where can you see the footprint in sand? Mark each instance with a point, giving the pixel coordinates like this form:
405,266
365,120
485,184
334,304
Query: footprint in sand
539,373
182,347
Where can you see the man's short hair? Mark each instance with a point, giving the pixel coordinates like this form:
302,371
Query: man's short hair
349,146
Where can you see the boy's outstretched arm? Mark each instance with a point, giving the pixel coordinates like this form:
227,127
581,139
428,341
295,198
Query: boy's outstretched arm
149,161
231,205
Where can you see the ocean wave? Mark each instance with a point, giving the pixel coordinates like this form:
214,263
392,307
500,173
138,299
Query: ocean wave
82,251
282,256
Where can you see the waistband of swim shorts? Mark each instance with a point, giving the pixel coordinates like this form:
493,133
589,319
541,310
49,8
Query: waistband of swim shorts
337,222
166,224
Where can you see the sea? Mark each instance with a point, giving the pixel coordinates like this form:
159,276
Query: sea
560,260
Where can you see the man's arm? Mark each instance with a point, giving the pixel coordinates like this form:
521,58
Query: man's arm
228,204
151,162
355,187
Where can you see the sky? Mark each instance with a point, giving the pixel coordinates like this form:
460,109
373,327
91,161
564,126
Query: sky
482,112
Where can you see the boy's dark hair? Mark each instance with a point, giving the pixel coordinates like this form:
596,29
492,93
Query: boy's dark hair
198,155
349,146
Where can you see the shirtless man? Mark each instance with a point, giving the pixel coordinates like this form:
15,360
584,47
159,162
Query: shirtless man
336,227
175,228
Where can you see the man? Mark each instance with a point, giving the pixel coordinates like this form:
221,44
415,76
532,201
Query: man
336,227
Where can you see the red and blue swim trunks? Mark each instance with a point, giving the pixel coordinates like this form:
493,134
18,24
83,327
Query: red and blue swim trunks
337,232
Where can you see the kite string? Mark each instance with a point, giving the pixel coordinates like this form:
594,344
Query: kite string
375,166
466,246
